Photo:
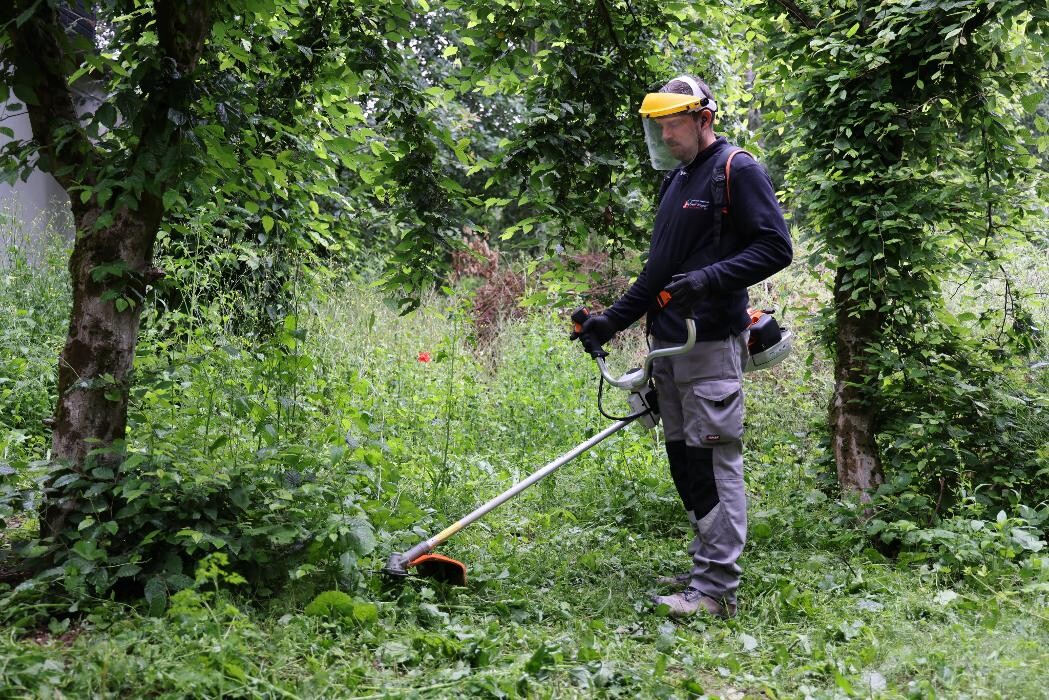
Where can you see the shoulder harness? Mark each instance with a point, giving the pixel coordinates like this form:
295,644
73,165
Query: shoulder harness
721,194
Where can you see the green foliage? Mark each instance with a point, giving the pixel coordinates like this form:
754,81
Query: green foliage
231,452
147,523
338,605
353,131
282,427
330,603
916,173
30,336
559,578
996,553
572,168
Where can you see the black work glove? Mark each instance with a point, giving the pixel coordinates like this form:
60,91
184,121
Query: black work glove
600,328
688,289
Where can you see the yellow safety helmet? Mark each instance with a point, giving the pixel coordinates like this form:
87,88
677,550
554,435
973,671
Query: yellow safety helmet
662,104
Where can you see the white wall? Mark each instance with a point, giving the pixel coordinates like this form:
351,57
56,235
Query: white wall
39,206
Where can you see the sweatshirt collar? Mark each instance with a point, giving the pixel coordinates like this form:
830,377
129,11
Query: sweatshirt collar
704,155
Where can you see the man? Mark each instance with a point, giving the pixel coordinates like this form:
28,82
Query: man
705,256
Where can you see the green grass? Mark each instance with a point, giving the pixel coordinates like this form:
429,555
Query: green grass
560,579
561,612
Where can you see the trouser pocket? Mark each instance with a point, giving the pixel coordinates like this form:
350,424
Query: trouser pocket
719,412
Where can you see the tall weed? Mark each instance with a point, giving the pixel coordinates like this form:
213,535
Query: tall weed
34,302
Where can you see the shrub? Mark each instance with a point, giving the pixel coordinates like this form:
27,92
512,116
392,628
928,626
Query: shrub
141,530
968,545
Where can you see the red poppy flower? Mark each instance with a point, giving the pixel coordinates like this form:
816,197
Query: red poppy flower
424,356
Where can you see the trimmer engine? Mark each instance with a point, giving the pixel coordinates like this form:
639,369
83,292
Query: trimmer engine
769,344
645,402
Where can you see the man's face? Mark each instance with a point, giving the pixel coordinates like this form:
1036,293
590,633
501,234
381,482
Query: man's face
681,135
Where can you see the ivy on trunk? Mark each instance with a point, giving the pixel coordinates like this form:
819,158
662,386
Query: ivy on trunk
903,112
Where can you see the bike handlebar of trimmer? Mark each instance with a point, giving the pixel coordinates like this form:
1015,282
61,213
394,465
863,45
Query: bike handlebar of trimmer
636,379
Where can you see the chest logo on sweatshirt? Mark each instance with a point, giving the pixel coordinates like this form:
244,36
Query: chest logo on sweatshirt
696,204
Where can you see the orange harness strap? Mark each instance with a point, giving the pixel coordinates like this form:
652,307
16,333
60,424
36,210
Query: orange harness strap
728,173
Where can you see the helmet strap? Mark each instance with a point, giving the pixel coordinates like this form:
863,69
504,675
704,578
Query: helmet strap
692,84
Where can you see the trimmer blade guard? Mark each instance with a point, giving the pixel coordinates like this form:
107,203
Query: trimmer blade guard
441,568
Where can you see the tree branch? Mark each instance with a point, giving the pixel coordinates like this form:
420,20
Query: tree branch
64,148
606,15
182,27
796,12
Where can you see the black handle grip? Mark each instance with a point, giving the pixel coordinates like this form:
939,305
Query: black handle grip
579,317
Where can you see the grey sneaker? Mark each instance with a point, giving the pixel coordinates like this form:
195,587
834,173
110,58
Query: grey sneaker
690,601
681,579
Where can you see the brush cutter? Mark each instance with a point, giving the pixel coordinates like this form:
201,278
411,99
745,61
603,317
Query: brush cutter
774,346
642,401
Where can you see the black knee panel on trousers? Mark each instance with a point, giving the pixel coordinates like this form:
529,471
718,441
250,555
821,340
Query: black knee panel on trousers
703,489
677,455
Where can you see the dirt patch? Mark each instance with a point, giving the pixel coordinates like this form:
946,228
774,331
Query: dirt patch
46,638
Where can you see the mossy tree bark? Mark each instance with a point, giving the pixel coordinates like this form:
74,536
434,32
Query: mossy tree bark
852,413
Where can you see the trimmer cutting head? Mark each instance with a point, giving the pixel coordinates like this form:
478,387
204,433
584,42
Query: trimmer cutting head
435,566
396,565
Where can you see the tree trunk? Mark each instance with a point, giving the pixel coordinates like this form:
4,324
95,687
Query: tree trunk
852,415
94,369
111,264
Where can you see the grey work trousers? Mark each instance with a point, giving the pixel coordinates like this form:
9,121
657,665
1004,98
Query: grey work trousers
701,406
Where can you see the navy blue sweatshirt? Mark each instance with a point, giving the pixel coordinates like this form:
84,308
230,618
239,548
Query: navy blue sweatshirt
754,245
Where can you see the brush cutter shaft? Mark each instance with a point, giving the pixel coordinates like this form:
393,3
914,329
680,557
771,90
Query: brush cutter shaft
428,546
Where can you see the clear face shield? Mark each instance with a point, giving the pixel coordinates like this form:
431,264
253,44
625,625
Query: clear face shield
662,158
